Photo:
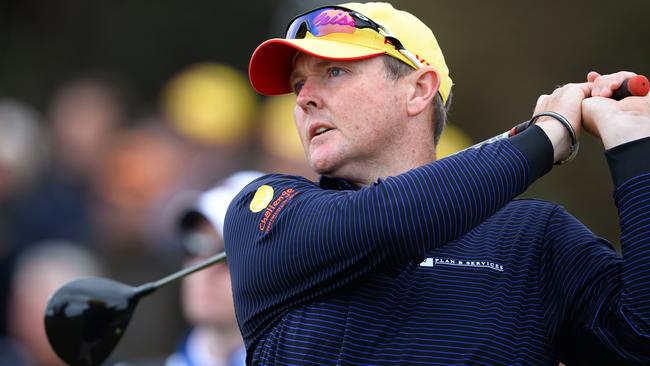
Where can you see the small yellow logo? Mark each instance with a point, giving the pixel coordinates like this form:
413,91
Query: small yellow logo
262,198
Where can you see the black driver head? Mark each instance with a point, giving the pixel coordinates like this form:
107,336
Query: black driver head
86,318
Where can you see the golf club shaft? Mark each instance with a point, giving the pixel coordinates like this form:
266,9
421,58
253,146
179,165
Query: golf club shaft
152,286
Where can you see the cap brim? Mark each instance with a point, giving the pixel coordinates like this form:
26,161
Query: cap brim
272,61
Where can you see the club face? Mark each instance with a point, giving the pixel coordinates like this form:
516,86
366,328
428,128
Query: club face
85,319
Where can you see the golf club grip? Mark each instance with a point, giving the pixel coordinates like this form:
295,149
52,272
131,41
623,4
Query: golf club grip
637,86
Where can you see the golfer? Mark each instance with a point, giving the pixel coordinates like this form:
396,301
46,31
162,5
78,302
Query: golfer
396,258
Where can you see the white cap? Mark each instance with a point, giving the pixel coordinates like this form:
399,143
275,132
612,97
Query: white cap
213,203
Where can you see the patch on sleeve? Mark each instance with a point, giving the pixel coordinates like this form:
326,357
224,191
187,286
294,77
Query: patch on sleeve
273,210
262,198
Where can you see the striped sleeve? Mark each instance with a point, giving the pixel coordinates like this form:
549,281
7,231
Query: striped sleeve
601,299
308,241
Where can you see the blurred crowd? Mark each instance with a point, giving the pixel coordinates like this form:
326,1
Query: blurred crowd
94,182
91,185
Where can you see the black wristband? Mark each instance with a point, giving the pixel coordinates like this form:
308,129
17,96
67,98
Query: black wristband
573,149
628,160
538,150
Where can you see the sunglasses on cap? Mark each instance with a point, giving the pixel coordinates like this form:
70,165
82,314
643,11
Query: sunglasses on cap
336,19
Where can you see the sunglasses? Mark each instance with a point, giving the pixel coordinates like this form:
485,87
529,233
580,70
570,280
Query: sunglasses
335,19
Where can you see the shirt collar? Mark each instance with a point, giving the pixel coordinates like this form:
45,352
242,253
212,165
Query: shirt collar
335,184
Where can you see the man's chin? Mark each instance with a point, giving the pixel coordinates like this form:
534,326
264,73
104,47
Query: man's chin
322,165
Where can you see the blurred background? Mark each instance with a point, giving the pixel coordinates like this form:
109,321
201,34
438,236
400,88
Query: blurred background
111,110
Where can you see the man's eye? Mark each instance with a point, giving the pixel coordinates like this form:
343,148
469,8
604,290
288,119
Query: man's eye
297,87
336,71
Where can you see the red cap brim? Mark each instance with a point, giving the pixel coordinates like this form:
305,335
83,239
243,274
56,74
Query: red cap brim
272,62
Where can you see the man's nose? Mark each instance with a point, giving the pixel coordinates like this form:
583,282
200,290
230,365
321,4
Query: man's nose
309,96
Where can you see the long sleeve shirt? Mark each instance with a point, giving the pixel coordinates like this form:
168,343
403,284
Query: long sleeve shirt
440,266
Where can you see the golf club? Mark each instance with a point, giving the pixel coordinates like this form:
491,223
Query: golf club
86,318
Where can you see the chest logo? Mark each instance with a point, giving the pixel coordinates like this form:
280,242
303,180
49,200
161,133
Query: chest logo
472,263
272,211
262,198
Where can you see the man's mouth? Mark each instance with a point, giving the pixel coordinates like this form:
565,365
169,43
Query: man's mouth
321,131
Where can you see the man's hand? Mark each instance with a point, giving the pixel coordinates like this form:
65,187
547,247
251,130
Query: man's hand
567,101
615,122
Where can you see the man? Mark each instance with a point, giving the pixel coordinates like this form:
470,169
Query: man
394,258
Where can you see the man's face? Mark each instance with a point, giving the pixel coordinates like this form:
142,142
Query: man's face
349,115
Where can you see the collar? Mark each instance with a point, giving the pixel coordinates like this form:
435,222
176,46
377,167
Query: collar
335,184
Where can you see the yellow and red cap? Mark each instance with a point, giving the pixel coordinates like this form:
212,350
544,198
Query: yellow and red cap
272,62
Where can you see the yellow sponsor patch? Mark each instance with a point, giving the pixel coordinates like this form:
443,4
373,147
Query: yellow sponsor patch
262,198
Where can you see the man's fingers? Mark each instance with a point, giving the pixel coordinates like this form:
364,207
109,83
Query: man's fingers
592,75
604,85
586,89
568,88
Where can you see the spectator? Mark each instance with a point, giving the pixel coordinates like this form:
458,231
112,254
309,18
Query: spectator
23,146
83,116
207,295
39,271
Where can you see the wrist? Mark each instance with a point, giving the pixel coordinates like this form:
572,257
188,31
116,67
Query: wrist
560,133
624,133
558,136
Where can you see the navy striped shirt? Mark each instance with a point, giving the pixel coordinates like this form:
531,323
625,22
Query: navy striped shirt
440,266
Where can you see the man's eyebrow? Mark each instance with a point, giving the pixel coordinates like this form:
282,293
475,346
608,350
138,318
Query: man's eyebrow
321,64
294,75
324,63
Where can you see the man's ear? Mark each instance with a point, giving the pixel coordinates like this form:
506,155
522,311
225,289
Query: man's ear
424,84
